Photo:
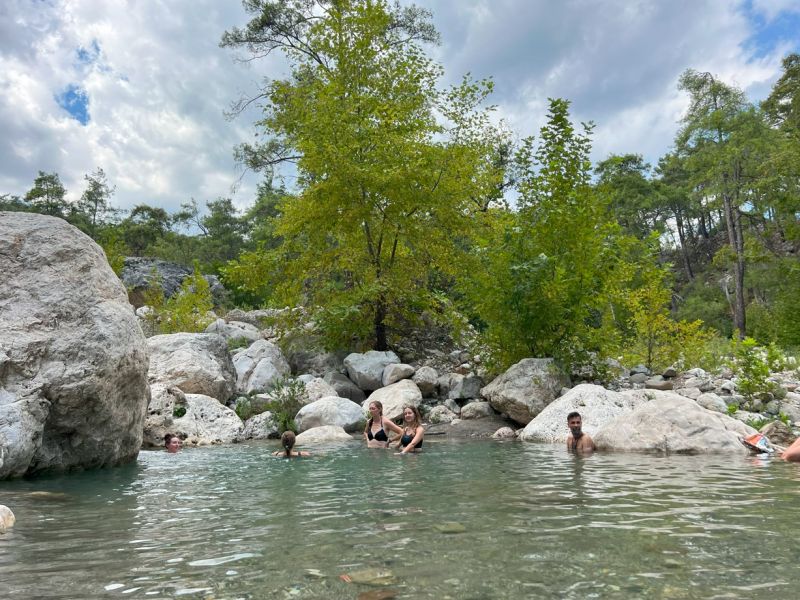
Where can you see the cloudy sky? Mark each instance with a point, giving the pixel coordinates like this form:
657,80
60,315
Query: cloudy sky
140,87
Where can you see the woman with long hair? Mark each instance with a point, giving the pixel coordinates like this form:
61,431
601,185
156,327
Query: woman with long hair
375,432
413,432
287,441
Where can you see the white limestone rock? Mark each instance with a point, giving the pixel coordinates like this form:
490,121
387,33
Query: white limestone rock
73,359
395,397
425,378
395,372
476,410
331,410
207,422
259,367
323,435
366,370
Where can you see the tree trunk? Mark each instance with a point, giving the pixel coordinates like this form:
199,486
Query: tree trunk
734,227
684,250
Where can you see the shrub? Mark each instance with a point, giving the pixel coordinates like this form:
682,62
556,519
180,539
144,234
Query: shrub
752,364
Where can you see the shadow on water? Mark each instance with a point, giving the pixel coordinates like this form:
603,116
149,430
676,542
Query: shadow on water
459,520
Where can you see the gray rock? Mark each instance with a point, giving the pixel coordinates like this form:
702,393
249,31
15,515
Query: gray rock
323,435
744,416
464,387
331,410
317,388
441,414
773,407
596,405
639,378
260,318
670,372
426,378
476,410
344,387
260,427
691,392
673,424
452,406
234,330
779,433
525,389
395,397
712,402
73,359
366,370
658,383
640,370
197,363
259,367
139,274
395,372
207,422
697,372
504,433
702,383
729,387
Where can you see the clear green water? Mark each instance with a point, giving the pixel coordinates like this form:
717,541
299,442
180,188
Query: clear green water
234,523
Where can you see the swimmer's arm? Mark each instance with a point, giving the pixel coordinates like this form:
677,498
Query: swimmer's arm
418,435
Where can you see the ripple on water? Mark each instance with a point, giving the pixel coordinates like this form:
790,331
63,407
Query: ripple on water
532,521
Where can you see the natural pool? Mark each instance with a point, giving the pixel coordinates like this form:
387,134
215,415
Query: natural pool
231,522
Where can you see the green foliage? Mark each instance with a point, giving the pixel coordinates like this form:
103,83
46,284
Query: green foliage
187,311
179,411
389,167
658,341
283,399
238,342
731,409
47,195
753,364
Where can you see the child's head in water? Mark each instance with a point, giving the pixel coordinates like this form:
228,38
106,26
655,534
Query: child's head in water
287,441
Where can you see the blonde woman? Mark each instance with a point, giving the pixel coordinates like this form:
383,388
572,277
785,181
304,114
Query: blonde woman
375,431
413,432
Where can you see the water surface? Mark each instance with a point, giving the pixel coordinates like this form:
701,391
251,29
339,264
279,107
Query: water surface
534,522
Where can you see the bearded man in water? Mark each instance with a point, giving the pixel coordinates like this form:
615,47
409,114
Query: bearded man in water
577,440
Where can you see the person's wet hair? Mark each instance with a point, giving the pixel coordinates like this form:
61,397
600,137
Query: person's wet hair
574,414
287,440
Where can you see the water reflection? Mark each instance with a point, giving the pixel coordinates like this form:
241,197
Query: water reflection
460,520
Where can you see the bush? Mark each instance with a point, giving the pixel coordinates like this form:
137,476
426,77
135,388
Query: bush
752,364
283,399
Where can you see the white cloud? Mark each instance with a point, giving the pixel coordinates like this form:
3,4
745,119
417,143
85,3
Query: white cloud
160,84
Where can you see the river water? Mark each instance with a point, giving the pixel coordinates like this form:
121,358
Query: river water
463,520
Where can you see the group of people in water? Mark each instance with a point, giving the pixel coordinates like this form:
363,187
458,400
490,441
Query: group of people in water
410,435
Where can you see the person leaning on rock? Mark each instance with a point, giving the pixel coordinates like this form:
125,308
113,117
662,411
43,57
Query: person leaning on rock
577,440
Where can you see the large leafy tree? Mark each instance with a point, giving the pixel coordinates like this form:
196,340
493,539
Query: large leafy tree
47,195
388,166
557,265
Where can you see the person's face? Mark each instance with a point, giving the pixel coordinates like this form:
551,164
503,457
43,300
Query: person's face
408,415
374,411
574,425
174,444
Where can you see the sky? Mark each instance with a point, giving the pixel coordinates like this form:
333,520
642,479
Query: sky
141,88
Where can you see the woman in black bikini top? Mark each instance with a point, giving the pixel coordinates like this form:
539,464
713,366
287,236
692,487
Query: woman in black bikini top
413,432
375,431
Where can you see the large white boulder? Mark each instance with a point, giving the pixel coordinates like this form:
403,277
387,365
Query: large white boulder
476,410
331,410
366,370
323,435
259,367
7,519
317,388
207,422
395,397
673,424
526,388
73,359
596,405
196,363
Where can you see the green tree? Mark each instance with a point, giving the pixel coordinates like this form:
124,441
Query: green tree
143,227
631,196
94,202
47,195
555,268
722,140
386,164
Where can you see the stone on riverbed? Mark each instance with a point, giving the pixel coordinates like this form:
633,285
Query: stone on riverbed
673,424
366,369
73,359
259,367
260,427
207,422
526,388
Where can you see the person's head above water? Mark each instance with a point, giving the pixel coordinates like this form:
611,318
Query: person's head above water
411,416
375,409
574,423
287,441
172,443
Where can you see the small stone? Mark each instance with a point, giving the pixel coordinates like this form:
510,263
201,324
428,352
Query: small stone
7,519
658,383
450,527
670,372
372,576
